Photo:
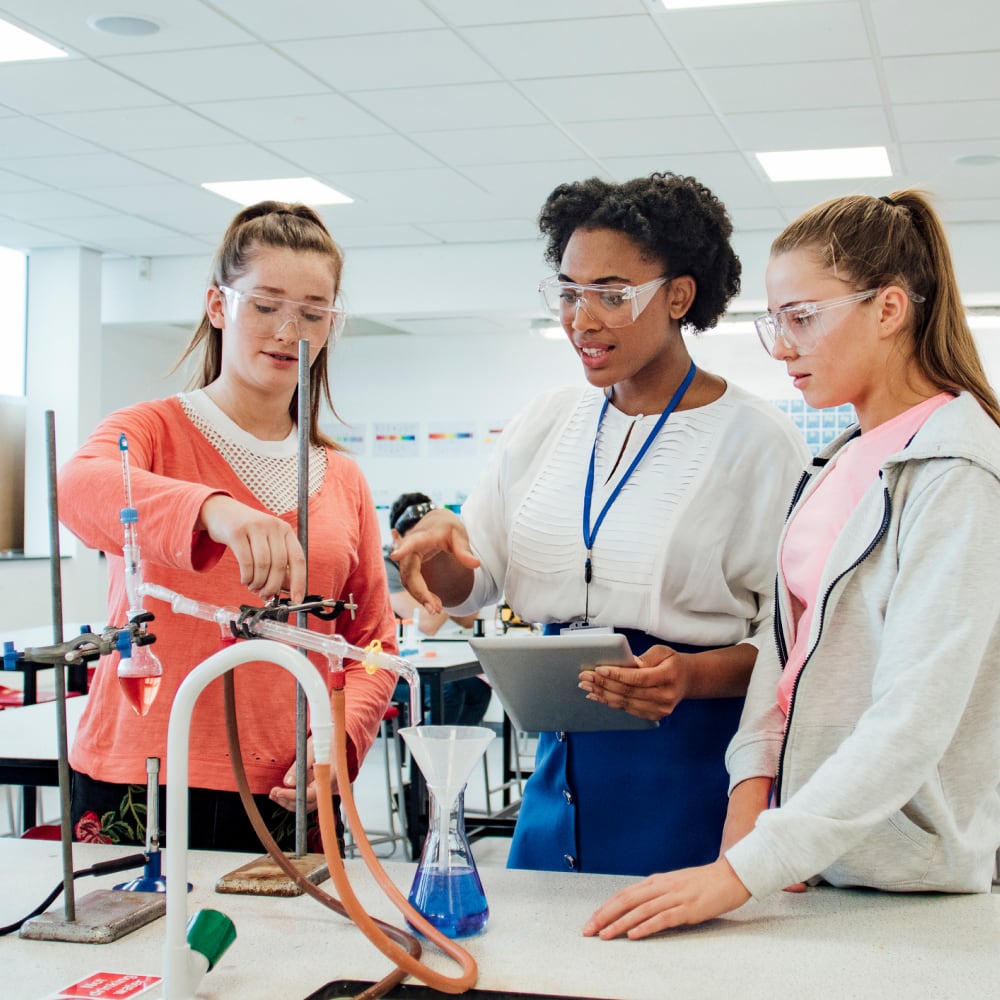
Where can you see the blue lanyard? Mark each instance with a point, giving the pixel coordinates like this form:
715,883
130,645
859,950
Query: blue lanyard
590,534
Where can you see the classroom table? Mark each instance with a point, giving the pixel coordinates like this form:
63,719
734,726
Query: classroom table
818,944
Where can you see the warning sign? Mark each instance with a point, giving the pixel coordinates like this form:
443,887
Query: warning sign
108,986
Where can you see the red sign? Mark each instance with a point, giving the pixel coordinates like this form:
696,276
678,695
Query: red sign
108,986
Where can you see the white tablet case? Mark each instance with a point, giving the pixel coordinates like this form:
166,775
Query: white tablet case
536,678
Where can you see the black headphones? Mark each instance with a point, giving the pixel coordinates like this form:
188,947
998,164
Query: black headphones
409,517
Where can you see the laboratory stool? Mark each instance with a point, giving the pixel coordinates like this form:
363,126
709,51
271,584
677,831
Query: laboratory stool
395,806
47,831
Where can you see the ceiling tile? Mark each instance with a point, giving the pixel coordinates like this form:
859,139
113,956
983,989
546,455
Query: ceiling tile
974,76
24,136
174,204
52,85
817,128
515,144
652,136
219,73
17,182
329,19
749,219
348,154
936,163
486,231
82,172
745,36
529,184
97,229
728,175
478,105
20,236
851,83
963,26
300,117
468,12
385,61
565,47
38,206
377,236
184,24
161,246
234,162
972,210
142,128
947,120
616,95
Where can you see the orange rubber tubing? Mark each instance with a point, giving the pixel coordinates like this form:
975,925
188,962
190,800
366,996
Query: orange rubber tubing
431,977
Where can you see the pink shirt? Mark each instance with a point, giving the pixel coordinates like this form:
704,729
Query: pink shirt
817,523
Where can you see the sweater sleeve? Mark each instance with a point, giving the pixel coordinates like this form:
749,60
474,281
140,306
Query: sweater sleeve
91,491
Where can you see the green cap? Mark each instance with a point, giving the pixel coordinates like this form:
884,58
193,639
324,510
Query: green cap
211,933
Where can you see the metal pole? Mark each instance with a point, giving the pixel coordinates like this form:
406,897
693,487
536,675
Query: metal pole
59,671
301,713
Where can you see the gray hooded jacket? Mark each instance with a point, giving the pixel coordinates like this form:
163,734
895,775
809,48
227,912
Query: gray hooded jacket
889,774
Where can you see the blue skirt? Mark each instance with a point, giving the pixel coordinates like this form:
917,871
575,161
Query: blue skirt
630,802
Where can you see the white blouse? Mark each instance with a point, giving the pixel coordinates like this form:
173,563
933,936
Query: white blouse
687,552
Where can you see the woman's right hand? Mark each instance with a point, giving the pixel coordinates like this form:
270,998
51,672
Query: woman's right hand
435,560
266,548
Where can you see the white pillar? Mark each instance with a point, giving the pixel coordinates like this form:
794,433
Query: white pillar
63,375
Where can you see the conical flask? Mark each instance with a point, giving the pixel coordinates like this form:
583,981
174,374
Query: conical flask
446,888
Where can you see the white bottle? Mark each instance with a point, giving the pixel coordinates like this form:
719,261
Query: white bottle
411,631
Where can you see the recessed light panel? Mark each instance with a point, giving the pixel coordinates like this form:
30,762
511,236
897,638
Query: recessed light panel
307,190
17,45
826,164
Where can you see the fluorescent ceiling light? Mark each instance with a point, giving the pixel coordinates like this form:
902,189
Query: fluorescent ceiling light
688,4
307,190
826,164
17,45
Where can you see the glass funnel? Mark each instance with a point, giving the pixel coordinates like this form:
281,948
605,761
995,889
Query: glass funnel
446,888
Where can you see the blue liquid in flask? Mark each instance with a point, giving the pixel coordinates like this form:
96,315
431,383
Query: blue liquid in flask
452,900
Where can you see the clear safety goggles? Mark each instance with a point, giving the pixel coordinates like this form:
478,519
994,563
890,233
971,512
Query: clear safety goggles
802,326
268,314
610,305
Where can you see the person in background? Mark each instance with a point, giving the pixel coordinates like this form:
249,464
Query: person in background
648,501
465,701
869,750
214,480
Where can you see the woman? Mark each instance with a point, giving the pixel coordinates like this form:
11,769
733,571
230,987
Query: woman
647,501
873,728
214,480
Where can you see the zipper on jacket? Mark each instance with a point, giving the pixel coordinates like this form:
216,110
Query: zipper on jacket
779,639
883,527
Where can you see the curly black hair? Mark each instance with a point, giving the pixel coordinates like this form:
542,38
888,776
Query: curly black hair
673,219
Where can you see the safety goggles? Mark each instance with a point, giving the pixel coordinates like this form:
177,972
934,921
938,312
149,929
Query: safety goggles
610,305
268,314
802,326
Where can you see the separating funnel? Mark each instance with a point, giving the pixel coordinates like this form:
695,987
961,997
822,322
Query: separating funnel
446,888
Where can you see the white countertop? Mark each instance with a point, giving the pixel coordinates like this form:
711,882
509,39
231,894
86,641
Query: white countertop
826,943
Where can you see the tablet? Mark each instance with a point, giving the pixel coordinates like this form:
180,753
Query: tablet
536,677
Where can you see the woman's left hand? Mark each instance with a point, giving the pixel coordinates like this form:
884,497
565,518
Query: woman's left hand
284,794
650,690
673,899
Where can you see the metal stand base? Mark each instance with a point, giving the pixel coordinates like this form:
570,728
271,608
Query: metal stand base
262,877
102,916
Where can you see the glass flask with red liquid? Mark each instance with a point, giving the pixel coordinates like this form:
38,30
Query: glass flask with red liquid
139,674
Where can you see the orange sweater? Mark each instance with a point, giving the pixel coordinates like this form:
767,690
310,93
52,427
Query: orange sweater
173,470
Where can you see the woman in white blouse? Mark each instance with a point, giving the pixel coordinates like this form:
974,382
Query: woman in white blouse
648,501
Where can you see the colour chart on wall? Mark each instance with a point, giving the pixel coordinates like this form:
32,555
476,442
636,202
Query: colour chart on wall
396,440
818,427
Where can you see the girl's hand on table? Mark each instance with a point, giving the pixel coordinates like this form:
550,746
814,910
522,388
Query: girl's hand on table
650,690
672,899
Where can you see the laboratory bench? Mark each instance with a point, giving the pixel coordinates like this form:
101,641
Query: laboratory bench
820,944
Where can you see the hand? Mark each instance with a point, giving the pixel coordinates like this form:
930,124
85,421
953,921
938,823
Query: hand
284,794
673,899
436,561
266,549
650,690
